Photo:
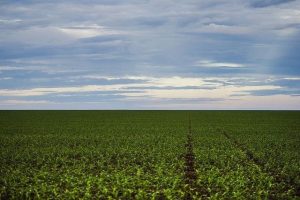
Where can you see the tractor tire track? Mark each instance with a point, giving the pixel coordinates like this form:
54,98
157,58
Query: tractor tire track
291,184
190,174
190,171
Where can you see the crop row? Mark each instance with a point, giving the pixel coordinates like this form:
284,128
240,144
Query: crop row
260,159
142,155
133,159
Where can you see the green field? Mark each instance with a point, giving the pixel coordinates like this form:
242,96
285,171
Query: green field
145,154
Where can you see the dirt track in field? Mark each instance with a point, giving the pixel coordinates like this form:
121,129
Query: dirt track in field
190,172
279,179
194,189
189,158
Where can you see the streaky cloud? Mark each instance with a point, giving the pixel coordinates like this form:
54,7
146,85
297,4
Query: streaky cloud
266,3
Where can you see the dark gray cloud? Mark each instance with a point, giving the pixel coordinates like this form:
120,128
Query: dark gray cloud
266,3
275,92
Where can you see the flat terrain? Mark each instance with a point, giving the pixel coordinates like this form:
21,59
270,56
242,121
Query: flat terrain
149,154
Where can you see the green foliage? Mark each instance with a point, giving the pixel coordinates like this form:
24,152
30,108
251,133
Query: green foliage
272,171
139,155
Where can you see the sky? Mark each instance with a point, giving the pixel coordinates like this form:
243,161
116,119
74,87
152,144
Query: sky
150,54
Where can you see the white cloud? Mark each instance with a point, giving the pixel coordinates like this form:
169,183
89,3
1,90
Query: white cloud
99,77
18,102
176,81
36,36
158,91
211,63
5,78
10,21
51,90
225,29
83,31
292,78
10,68
221,92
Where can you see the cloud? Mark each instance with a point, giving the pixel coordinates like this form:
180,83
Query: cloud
165,87
41,68
223,29
222,92
46,91
275,92
210,63
144,52
266,3
10,21
97,77
292,78
5,78
36,36
10,68
20,102
83,31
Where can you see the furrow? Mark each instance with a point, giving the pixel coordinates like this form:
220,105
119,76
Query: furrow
290,184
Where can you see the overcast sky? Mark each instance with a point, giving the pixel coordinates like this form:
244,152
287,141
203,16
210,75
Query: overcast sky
150,54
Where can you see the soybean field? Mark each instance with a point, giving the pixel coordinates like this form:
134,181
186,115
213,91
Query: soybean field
149,155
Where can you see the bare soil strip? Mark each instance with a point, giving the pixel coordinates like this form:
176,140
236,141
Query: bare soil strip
190,170
288,183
